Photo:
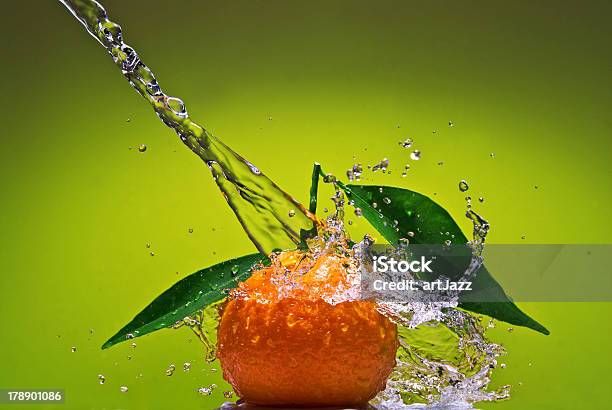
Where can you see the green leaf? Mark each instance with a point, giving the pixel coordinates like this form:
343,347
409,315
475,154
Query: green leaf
415,213
187,296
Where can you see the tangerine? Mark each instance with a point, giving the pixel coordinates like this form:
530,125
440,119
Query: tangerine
285,339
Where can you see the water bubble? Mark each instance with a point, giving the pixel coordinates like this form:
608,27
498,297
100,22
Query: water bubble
291,213
415,155
170,370
386,200
142,148
101,379
123,389
463,185
186,366
407,143
73,349
228,394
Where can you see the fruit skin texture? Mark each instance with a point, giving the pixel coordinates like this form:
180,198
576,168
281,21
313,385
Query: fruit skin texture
299,349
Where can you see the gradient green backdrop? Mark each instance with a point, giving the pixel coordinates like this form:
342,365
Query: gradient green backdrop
527,80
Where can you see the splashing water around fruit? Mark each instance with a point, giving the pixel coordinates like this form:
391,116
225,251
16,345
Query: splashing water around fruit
299,314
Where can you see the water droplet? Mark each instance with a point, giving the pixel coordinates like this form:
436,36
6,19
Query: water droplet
441,163
523,237
451,124
374,205
73,349
503,365
510,329
228,394
407,143
386,200
382,165
170,370
415,155
411,234
123,389
186,366
133,345
492,155
463,185
190,230
148,245
404,174
481,199
204,391
253,168
142,148
101,379
177,106
291,213
358,212
152,253
129,336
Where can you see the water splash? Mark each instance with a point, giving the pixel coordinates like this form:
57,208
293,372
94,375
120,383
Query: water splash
444,361
259,204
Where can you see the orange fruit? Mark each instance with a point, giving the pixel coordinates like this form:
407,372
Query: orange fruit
281,341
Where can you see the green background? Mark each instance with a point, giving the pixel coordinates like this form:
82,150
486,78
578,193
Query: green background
529,81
